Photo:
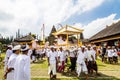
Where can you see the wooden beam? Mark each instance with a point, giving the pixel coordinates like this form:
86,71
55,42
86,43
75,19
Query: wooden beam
69,31
75,28
106,39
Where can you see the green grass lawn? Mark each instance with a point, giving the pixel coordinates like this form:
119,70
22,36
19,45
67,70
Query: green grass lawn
107,72
75,79
1,66
39,71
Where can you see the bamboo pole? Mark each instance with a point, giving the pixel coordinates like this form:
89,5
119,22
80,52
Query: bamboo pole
77,40
67,41
43,34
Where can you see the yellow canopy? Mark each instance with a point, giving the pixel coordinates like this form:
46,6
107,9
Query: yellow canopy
68,30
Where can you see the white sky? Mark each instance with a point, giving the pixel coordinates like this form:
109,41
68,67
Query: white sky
97,25
29,15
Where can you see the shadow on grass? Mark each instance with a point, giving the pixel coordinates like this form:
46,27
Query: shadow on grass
39,62
76,79
101,65
112,63
107,62
100,76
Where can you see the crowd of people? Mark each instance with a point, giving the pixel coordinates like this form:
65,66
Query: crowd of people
109,54
17,63
82,59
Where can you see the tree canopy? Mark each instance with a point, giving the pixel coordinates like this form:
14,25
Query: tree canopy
51,37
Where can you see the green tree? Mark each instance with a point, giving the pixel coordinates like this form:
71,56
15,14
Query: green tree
51,37
0,46
34,36
7,40
81,36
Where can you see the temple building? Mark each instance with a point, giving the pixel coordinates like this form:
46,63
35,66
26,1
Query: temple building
110,36
25,39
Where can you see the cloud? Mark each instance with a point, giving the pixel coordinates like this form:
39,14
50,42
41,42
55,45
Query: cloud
2,29
29,15
79,25
97,25
5,16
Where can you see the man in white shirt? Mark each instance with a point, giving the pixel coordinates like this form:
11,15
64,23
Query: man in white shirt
52,59
30,51
34,55
38,52
47,50
73,58
22,65
62,58
56,52
43,52
8,54
94,51
81,66
90,58
110,54
115,55
10,66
